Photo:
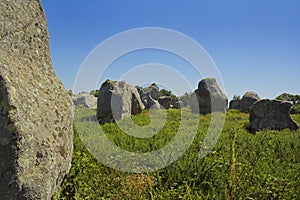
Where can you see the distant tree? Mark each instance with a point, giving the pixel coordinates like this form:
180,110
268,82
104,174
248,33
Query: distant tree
186,98
236,97
164,92
289,97
94,93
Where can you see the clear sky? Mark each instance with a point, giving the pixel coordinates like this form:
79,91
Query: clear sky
254,43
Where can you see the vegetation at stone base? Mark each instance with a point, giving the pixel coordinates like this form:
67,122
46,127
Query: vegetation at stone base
295,109
265,165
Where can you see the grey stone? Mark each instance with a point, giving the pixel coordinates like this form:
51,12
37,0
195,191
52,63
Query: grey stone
36,112
210,97
85,100
150,96
149,102
244,104
165,101
117,100
248,99
153,90
178,104
235,104
271,114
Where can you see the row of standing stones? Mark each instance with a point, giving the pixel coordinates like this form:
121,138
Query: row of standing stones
118,99
36,112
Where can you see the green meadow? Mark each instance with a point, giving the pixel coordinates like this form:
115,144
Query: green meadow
241,165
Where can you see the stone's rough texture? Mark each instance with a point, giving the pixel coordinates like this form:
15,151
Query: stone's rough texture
150,96
244,105
165,101
85,100
153,90
117,100
248,99
271,114
235,104
36,136
150,103
210,97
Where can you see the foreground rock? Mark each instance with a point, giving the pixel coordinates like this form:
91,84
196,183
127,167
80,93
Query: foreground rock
36,137
271,114
85,100
116,100
244,105
210,97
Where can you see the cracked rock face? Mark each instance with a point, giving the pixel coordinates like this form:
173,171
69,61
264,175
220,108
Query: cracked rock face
244,104
117,100
36,137
210,98
272,115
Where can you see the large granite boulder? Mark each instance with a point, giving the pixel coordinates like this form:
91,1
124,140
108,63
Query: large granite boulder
36,112
117,100
244,104
165,101
210,97
86,100
271,114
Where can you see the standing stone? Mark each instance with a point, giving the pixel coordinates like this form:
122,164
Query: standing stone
152,90
165,101
244,104
178,105
36,112
117,100
85,100
210,97
235,104
150,96
248,99
271,114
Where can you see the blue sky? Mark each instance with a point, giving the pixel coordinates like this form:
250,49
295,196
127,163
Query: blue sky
254,43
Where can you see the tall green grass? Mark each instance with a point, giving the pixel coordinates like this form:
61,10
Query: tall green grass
265,165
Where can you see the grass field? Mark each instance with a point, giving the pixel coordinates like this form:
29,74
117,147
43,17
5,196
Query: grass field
265,165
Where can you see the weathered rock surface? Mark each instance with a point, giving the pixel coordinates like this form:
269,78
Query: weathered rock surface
85,100
244,105
36,136
165,101
235,104
116,100
248,99
210,97
150,96
153,90
271,114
